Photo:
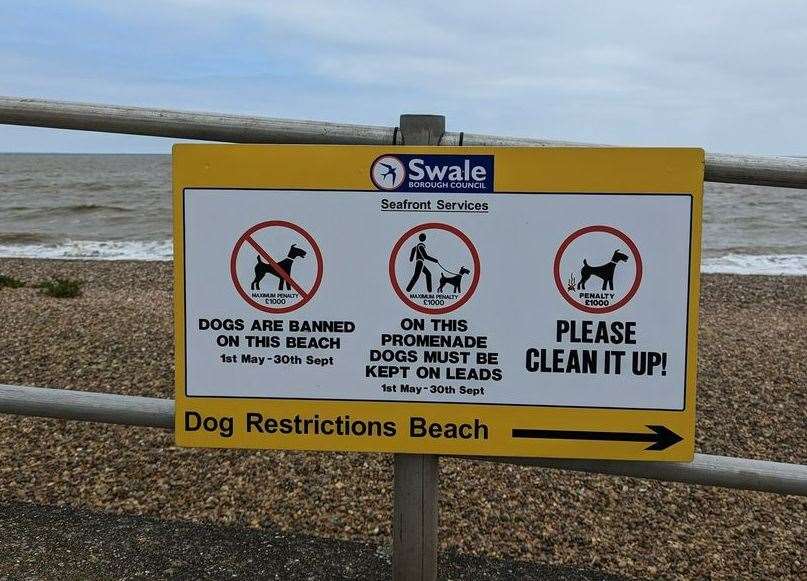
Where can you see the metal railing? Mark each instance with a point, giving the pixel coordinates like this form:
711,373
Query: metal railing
787,172
415,513
152,412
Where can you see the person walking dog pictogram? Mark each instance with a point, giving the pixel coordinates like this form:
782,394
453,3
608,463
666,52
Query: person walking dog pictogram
419,255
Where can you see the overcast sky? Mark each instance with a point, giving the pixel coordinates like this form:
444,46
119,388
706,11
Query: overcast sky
728,75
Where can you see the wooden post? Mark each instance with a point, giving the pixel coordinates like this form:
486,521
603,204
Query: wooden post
414,535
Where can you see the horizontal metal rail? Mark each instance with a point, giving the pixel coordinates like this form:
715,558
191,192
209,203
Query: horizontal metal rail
722,471
707,470
789,172
87,406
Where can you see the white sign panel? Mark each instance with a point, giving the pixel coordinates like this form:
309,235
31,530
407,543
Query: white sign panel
359,295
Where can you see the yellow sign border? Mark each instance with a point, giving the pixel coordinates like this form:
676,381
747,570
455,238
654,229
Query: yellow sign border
647,171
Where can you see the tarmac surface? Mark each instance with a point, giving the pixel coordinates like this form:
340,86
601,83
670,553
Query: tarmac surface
45,542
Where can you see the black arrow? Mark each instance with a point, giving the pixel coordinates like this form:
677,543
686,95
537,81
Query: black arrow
662,437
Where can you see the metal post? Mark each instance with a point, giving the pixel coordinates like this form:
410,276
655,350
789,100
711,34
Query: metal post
414,535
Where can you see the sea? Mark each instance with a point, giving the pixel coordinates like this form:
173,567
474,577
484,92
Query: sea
118,207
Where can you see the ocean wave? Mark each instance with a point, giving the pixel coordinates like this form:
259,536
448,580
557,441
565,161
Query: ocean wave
87,208
771,264
68,210
31,238
93,250
779,264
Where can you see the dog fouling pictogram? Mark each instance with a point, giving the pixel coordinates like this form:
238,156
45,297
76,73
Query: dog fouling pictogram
598,269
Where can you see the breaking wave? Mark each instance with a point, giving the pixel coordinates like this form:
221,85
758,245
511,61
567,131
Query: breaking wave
779,264
771,264
92,250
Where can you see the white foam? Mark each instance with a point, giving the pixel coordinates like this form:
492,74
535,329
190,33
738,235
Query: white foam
92,250
772,264
779,264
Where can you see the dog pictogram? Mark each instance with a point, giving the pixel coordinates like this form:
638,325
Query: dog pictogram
454,280
604,271
298,274
284,266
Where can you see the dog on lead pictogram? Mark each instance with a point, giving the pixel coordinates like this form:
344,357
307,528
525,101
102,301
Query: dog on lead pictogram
419,256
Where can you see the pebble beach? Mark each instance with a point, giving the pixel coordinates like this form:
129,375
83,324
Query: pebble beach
117,337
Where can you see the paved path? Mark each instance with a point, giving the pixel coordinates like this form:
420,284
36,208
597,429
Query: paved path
45,542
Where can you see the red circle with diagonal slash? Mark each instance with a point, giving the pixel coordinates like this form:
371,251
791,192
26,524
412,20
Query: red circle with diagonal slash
247,238
394,279
608,230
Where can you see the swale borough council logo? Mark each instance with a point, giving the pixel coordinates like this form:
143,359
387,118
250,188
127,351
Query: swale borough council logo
388,172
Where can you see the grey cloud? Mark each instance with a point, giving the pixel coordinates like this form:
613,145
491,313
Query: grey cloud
727,75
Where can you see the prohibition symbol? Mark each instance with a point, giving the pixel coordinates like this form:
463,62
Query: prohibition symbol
276,266
598,269
434,268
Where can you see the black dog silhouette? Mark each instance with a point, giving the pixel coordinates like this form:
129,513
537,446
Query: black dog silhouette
604,271
454,280
262,268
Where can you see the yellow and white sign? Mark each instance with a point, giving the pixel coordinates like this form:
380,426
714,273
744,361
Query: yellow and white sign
492,301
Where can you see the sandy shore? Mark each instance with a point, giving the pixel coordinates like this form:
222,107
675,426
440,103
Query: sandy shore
118,337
